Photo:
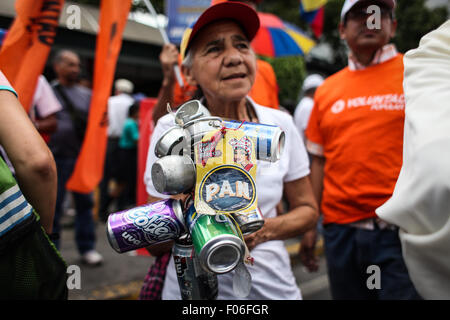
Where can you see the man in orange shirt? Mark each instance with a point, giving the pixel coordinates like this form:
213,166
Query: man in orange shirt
355,134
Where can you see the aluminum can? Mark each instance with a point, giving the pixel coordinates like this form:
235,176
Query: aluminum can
145,225
249,222
269,139
195,130
173,174
189,111
195,283
216,241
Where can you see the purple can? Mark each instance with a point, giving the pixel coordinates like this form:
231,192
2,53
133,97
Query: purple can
145,225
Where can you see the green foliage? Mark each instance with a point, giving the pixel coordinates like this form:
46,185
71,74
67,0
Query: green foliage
414,21
290,73
331,33
288,10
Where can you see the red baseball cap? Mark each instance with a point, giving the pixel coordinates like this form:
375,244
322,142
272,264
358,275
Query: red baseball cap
213,2
241,13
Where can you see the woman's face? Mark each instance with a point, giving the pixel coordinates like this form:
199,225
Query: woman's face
223,63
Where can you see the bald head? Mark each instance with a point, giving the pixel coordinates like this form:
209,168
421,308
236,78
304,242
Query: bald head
67,67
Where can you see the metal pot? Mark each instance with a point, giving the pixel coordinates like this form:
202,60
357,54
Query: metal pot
171,142
173,174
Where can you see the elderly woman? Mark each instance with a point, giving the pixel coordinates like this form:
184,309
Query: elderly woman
220,61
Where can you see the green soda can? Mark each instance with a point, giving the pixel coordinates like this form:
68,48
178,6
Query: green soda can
216,241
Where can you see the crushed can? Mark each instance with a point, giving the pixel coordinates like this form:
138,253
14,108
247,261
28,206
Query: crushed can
249,222
145,225
195,283
216,241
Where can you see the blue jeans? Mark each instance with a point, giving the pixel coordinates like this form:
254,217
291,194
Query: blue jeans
350,251
84,222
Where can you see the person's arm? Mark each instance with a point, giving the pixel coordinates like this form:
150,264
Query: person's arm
309,239
32,160
317,172
302,216
168,58
135,132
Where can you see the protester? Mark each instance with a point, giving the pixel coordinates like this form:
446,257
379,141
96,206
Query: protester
30,267
421,200
304,107
65,145
127,158
118,106
218,59
264,90
355,134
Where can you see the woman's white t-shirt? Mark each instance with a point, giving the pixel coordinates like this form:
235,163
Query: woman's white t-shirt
272,276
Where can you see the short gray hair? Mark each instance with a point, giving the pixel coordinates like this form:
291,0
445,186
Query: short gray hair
188,59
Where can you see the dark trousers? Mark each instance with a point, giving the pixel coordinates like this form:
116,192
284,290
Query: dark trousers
353,257
84,222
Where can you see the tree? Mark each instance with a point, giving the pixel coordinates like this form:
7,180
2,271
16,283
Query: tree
290,73
414,21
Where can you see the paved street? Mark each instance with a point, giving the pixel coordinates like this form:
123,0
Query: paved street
121,275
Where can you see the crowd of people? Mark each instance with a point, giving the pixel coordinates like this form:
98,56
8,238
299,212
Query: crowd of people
364,163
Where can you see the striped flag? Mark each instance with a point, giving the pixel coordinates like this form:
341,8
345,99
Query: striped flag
312,11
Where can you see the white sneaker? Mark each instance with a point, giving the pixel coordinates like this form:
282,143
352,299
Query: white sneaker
92,258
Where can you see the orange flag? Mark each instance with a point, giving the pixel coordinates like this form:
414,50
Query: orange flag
89,166
28,43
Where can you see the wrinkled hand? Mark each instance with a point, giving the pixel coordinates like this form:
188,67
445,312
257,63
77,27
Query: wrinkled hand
307,251
168,58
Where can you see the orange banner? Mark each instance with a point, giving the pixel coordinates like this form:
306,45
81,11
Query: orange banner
89,167
25,50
